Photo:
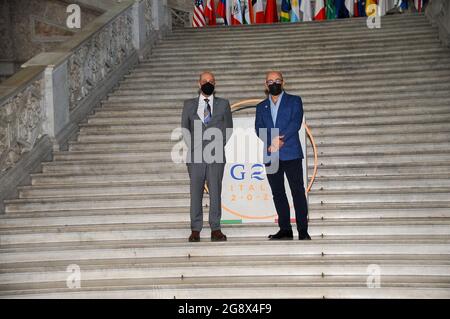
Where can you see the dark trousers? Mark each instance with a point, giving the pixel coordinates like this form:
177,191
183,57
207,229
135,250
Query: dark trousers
294,173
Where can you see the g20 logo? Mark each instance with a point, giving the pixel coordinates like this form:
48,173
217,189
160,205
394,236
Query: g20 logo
238,172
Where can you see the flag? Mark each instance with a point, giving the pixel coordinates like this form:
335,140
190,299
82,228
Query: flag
236,13
319,10
350,5
305,8
199,14
258,8
210,13
229,10
330,10
341,9
368,4
418,4
403,4
222,10
362,8
271,14
249,17
285,9
295,11
355,9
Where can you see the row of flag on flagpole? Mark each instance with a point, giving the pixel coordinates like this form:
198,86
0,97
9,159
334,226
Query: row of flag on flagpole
236,12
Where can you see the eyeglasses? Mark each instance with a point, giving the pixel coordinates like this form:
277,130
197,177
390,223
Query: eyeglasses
277,81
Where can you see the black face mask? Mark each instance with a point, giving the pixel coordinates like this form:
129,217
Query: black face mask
208,88
275,89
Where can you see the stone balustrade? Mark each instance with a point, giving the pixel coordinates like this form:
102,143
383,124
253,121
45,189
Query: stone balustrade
41,105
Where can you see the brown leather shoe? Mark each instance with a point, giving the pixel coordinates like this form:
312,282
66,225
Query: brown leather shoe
195,236
217,235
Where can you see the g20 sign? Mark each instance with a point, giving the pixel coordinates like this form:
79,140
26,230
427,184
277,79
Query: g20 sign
246,194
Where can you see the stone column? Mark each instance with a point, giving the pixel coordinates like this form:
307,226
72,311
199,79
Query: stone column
56,93
162,19
438,12
139,28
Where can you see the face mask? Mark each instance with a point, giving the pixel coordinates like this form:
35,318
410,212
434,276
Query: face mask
208,88
275,89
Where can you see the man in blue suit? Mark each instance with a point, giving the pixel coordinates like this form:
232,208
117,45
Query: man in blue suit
284,112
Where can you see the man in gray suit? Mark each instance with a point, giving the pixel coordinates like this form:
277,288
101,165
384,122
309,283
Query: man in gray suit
207,124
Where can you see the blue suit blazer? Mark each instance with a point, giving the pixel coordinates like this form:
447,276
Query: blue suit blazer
289,121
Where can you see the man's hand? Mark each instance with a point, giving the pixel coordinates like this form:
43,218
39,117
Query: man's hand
277,143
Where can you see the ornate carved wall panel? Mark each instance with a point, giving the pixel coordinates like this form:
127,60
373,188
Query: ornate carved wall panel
21,123
101,54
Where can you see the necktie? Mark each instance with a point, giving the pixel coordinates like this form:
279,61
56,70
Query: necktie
207,111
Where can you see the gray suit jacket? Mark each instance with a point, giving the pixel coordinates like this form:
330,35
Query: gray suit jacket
221,119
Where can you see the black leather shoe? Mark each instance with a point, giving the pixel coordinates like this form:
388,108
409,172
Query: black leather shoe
217,235
195,236
304,237
282,235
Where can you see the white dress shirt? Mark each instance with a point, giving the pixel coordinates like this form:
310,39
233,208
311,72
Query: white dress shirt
202,105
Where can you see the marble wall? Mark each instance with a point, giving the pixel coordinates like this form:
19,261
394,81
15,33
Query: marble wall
29,27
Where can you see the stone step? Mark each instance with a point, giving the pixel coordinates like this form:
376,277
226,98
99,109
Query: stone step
344,59
314,95
375,166
160,187
230,260
377,138
394,74
181,184
312,26
245,48
290,38
374,66
381,170
181,197
294,85
354,245
138,290
48,179
193,272
333,66
408,30
413,169
235,287
294,41
311,102
173,122
165,165
338,147
180,214
128,134
80,203
370,182
329,150
361,65
47,237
